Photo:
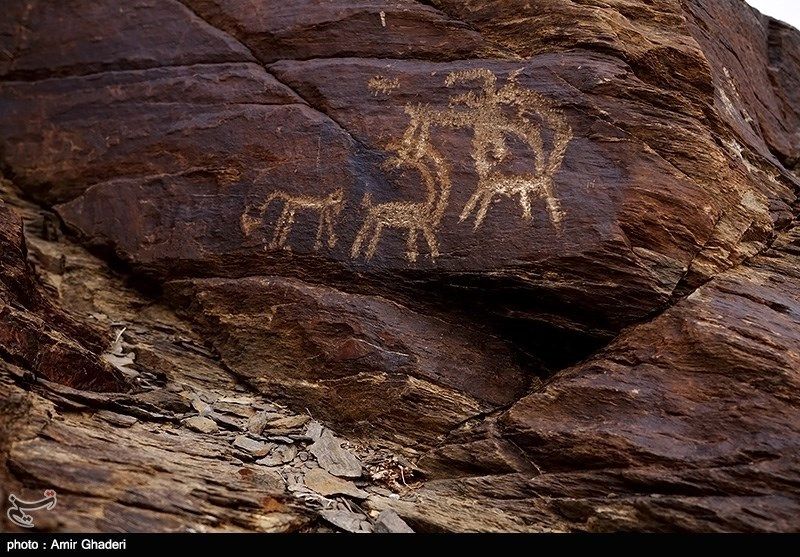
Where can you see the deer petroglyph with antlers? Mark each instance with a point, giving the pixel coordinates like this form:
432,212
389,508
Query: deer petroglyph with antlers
485,113
491,125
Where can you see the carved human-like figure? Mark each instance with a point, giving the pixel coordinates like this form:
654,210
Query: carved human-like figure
491,125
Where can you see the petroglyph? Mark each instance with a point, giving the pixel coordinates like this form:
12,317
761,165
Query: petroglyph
328,208
228,176
485,112
494,115
382,84
414,150
491,125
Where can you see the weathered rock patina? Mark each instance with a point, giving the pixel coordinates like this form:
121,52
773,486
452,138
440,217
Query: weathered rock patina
546,250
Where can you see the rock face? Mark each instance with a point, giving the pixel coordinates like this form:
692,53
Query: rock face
548,250
685,422
339,352
165,454
37,335
371,29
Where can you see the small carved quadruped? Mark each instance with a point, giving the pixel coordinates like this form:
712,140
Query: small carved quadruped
328,208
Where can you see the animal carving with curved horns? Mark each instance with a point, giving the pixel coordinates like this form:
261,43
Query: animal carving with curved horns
414,150
491,126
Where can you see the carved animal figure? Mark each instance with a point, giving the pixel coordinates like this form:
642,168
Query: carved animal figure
491,126
484,112
328,208
414,150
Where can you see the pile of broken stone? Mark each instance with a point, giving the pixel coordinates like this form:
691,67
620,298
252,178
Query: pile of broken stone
324,472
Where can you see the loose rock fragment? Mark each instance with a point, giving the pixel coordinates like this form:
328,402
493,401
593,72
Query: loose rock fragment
202,408
333,458
314,430
257,423
281,439
121,363
162,402
347,521
251,446
328,485
226,422
278,455
201,424
120,420
289,422
234,409
389,522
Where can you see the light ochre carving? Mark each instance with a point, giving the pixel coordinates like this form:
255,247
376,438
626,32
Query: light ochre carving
415,151
327,207
495,115
382,84
486,113
491,126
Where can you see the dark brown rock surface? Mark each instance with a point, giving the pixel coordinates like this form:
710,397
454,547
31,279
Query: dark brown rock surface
340,353
371,29
547,250
687,422
44,39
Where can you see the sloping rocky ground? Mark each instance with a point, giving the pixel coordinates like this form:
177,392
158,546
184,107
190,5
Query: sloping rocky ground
484,265
187,447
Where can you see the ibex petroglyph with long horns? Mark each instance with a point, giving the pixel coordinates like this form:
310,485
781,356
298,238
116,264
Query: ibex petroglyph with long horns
415,151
